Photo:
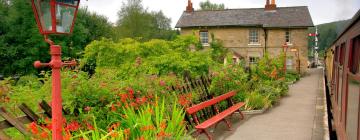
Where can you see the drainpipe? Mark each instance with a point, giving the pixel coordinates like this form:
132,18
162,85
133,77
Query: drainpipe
266,38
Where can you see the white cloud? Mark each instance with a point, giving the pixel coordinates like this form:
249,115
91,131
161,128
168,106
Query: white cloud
322,11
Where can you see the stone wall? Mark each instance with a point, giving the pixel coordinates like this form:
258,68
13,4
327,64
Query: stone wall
237,40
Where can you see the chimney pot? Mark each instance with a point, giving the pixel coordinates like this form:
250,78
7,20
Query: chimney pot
271,6
273,2
189,7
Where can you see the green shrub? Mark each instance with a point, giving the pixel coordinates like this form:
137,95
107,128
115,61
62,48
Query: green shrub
256,101
155,57
231,77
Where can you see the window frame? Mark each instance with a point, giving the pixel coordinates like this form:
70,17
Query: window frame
288,36
204,40
354,56
255,60
254,36
342,54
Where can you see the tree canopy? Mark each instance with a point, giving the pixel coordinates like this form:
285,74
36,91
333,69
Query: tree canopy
137,22
207,5
21,43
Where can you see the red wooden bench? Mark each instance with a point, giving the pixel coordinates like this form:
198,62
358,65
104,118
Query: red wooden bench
220,116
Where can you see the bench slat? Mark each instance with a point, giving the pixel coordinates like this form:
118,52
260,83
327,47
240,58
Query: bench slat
220,116
196,108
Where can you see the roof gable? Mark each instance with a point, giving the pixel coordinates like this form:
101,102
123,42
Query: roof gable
282,17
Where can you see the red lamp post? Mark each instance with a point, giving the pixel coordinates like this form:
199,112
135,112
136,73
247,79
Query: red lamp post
285,46
55,17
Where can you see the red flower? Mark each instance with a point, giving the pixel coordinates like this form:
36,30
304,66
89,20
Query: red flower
141,100
67,136
163,125
73,126
33,128
113,108
89,126
49,126
114,127
123,97
127,131
7,99
74,76
133,104
44,135
131,92
162,134
114,134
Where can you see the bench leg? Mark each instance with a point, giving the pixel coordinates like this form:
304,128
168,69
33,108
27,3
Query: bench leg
242,115
206,133
228,124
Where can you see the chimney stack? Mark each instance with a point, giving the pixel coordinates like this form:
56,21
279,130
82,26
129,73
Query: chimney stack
189,7
270,6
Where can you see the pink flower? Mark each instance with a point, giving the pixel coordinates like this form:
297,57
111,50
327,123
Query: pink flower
88,108
162,83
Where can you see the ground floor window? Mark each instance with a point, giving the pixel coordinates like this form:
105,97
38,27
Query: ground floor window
253,60
204,37
235,60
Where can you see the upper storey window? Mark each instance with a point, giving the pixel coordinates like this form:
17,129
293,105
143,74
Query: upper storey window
253,36
288,36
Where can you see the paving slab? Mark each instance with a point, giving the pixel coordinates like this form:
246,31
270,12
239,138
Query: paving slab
298,116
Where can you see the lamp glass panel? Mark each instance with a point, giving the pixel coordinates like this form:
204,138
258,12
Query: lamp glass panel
44,14
64,18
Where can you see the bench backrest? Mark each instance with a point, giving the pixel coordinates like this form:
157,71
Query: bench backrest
195,108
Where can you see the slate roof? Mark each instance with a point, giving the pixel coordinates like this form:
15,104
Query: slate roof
281,17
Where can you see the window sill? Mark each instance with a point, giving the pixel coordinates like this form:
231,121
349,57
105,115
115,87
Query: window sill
206,45
254,44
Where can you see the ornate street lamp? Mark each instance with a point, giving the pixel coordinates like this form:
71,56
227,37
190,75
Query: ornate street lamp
285,46
55,17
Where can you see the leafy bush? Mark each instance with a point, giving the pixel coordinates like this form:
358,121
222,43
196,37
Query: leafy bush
150,121
231,77
155,57
292,76
269,68
272,89
256,101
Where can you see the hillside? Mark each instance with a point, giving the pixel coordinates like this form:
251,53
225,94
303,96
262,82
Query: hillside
328,33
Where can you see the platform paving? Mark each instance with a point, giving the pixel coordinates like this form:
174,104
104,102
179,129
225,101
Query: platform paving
298,116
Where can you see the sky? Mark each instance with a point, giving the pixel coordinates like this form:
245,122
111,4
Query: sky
322,11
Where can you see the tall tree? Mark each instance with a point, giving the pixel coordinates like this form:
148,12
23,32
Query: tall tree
207,5
136,22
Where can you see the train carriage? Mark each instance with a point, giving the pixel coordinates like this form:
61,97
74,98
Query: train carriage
343,77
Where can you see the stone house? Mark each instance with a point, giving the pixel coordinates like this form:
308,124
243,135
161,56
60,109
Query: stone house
252,32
